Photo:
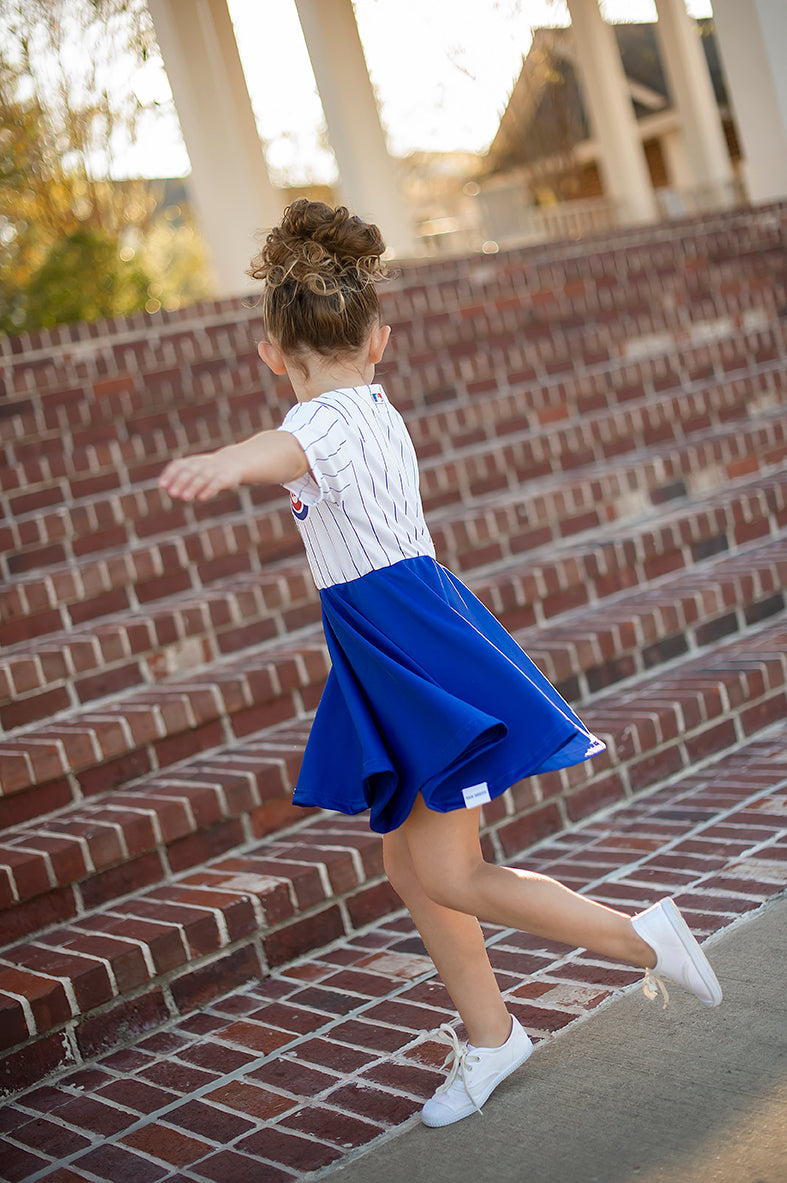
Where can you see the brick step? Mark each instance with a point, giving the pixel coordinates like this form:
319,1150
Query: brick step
204,551
91,492
114,459
510,308
243,398
684,250
65,598
600,329
79,989
644,427
176,817
149,644
90,750
296,1068
66,669
71,355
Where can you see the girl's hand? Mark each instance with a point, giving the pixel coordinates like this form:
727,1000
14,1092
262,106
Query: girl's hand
201,476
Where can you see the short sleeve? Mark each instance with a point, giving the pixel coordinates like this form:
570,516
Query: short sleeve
322,434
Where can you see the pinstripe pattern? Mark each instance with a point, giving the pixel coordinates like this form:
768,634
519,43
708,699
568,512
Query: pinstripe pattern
359,508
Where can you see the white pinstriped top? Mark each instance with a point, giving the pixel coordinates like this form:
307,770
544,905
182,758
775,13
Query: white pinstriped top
359,507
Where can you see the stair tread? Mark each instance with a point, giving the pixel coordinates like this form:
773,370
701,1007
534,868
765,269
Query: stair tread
261,889
602,443
190,630
728,450
210,790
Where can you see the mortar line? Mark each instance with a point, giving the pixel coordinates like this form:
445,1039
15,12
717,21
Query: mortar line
357,1012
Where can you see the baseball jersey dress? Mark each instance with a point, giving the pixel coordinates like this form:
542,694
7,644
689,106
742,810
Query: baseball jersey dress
427,692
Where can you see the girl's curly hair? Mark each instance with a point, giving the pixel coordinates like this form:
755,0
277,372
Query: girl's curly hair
320,267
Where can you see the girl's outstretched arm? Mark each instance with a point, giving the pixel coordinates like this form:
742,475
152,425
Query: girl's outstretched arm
268,458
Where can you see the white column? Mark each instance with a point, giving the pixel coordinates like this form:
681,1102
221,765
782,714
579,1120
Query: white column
691,88
623,164
229,183
368,177
752,37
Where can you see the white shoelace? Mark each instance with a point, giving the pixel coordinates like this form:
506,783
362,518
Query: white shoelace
652,986
457,1057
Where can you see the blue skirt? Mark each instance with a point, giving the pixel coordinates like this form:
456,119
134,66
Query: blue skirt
429,694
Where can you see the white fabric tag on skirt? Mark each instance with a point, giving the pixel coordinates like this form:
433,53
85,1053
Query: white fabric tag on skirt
476,795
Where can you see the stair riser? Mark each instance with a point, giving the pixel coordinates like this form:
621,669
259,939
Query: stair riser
121,845
687,261
172,640
45,529
35,607
445,372
233,934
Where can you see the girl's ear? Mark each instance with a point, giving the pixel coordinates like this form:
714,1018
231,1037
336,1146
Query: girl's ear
377,342
272,356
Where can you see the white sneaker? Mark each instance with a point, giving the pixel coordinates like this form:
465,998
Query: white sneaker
475,1073
678,955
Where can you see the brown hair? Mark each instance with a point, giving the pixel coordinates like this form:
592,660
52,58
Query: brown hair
319,266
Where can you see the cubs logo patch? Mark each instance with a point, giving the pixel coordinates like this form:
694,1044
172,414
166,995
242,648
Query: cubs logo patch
298,508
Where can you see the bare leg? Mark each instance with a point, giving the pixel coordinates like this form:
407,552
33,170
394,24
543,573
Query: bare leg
455,943
447,860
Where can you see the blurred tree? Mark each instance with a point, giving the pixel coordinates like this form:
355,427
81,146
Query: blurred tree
66,111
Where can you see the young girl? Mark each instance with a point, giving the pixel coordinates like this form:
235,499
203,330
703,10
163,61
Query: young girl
430,708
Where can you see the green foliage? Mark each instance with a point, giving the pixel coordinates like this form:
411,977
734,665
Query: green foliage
64,228
83,278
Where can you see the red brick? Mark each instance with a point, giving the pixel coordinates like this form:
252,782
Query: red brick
289,1150
105,1031
655,767
372,904
120,880
34,1062
199,1117
216,1057
164,940
111,773
172,1074
287,1074
597,795
259,1103
324,1054
89,1114
532,827
189,743
121,1166
111,681
63,1175
125,957
222,974
712,739
405,1078
46,996
137,1095
254,1036
383,1107
13,1025
228,1165
19,1164
302,936
209,844
167,1144
332,1126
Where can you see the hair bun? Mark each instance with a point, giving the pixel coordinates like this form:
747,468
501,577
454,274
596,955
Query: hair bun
318,246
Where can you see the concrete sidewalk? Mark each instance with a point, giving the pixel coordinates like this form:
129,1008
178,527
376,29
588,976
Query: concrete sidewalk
635,1094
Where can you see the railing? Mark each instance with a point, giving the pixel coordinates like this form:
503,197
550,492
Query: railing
502,217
